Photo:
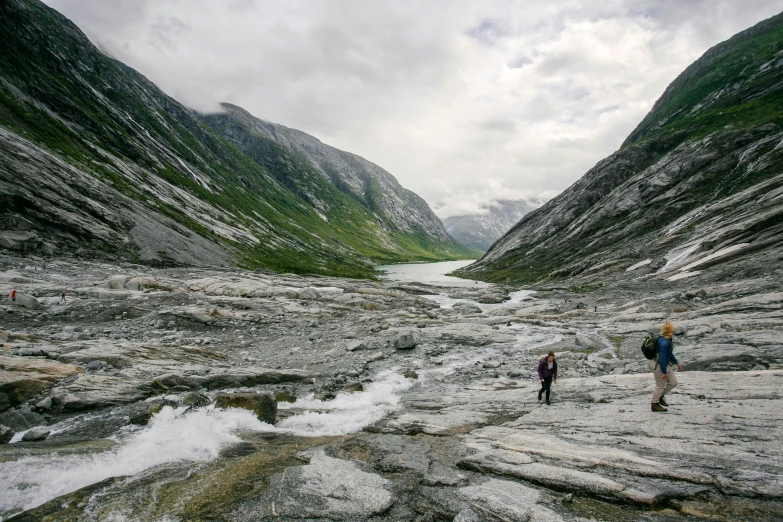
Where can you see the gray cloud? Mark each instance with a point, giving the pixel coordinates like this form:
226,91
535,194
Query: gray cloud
500,124
464,102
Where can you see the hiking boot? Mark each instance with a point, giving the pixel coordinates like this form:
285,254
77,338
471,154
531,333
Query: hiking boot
657,407
539,396
547,402
663,402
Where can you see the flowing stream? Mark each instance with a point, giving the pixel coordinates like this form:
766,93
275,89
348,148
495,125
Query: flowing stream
176,434
184,435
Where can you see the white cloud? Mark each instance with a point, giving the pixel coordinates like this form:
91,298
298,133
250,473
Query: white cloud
463,102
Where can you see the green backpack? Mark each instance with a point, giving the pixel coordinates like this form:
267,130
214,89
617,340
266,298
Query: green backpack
650,346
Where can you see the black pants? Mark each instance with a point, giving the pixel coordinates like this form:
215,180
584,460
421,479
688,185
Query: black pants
545,386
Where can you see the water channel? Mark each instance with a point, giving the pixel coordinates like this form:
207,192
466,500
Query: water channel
430,273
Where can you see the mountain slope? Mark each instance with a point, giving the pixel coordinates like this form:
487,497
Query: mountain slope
334,178
481,230
702,173
97,161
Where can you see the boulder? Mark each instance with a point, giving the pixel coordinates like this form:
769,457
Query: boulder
490,298
141,412
410,374
30,352
285,396
405,341
354,346
44,404
491,364
353,387
308,293
262,404
6,434
97,390
94,366
431,314
315,335
680,330
28,301
421,324
139,283
36,434
584,341
117,282
195,400
467,308
20,420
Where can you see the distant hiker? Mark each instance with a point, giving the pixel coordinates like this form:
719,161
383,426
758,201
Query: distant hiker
665,381
13,295
62,297
596,309
547,372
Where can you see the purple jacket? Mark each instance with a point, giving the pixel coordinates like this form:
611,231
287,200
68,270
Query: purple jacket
544,371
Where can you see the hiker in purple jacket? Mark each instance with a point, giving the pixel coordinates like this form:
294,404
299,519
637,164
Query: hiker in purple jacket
547,372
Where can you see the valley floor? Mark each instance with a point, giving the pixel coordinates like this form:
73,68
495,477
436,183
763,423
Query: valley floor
124,375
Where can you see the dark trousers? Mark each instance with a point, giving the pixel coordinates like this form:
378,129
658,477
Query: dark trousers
545,386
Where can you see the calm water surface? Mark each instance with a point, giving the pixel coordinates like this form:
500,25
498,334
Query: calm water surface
429,273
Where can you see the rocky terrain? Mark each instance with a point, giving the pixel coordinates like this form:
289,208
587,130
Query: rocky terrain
97,162
223,394
701,176
482,229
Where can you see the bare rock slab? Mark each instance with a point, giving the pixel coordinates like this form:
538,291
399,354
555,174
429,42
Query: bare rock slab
327,489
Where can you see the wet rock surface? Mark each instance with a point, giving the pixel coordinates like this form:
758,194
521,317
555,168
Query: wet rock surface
374,418
263,405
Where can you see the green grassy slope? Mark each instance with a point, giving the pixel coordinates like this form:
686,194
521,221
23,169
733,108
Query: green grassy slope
59,92
736,84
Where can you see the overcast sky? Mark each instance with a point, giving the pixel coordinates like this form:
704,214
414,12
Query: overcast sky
463,102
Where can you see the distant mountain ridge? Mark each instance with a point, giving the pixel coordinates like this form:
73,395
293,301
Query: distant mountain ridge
700,178
481,230
96,161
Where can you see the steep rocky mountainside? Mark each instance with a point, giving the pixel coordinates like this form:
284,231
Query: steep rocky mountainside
698,184
97,161
481,230
360,181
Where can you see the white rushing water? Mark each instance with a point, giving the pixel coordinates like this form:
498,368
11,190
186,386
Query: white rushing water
197,435
513,298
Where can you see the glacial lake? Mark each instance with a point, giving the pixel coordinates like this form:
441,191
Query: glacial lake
429,273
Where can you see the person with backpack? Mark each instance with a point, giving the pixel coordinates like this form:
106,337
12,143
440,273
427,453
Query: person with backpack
665,381
547,372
